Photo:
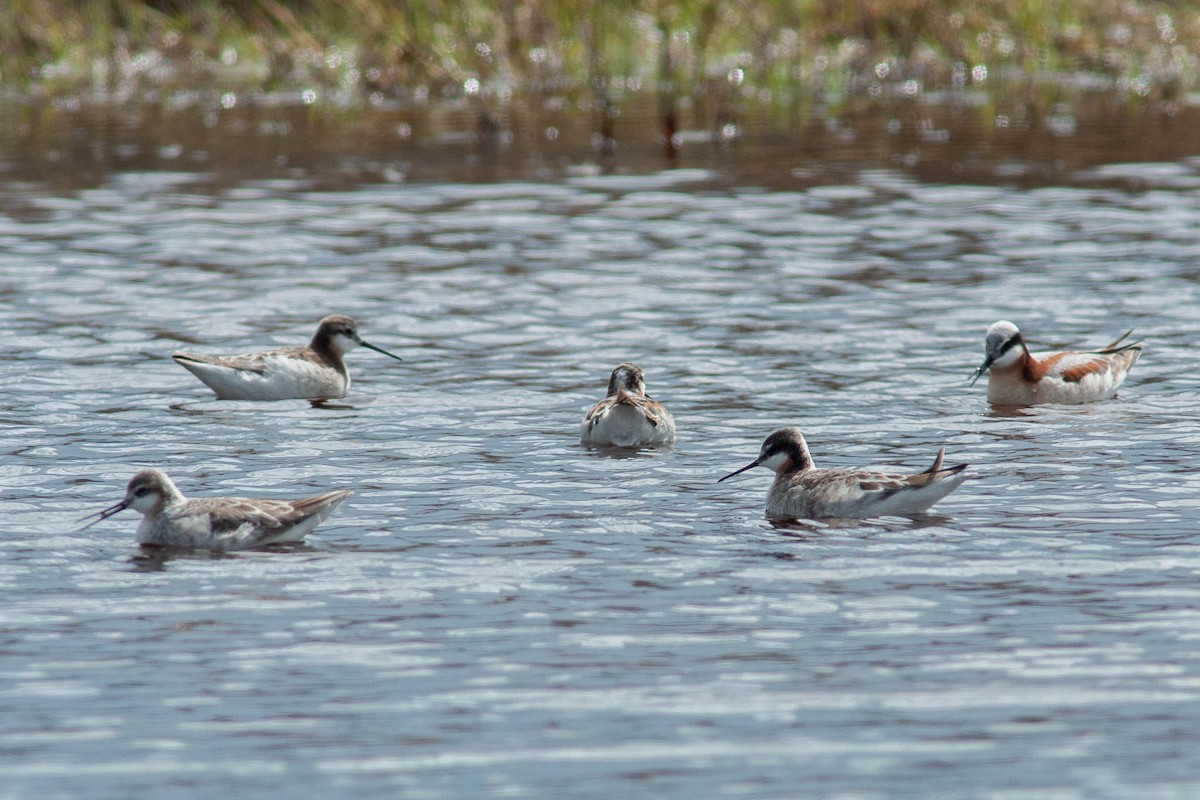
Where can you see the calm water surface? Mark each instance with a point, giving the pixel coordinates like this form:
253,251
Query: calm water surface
500,612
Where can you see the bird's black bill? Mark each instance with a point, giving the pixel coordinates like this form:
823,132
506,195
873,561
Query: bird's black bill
987,362
370,346
751,465
102,515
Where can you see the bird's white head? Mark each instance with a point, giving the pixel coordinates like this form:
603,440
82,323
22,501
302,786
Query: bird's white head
1002,347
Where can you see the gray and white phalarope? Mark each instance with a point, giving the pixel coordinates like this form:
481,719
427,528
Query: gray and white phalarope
216,523
801,491
315,371
627,417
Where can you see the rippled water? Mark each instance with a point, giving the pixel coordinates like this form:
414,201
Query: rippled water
500,612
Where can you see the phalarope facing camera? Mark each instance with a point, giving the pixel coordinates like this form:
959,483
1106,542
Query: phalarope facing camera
1017,377
801,491
627,417
216,523
313,372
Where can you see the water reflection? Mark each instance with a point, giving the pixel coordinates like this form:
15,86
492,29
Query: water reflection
944,138
153,558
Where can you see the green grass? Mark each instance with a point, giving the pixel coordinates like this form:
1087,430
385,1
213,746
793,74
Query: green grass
780,51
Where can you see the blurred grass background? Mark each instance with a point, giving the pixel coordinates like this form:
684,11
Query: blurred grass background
771,50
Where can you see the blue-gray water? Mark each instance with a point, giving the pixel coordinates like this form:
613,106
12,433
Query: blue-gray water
500,612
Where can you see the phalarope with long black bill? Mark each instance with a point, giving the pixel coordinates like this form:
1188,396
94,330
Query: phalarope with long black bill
217,523
801,491
313,372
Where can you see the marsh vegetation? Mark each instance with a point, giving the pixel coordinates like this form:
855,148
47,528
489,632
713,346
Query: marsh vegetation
374,51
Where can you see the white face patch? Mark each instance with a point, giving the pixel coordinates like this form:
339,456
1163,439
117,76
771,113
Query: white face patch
773,461
1009,357
145,501
343,343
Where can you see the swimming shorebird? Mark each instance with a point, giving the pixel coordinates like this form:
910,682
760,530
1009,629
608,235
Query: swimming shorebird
801,491
1016,377
627,417
313,372
216,523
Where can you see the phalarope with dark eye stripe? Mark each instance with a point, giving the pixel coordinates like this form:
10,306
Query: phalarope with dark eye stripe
313,372
801,491
627,417
217,523
1016,377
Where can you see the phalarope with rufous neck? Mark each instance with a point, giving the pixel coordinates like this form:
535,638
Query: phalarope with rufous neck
216,523
313,372
627,417
801,491
1017,377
